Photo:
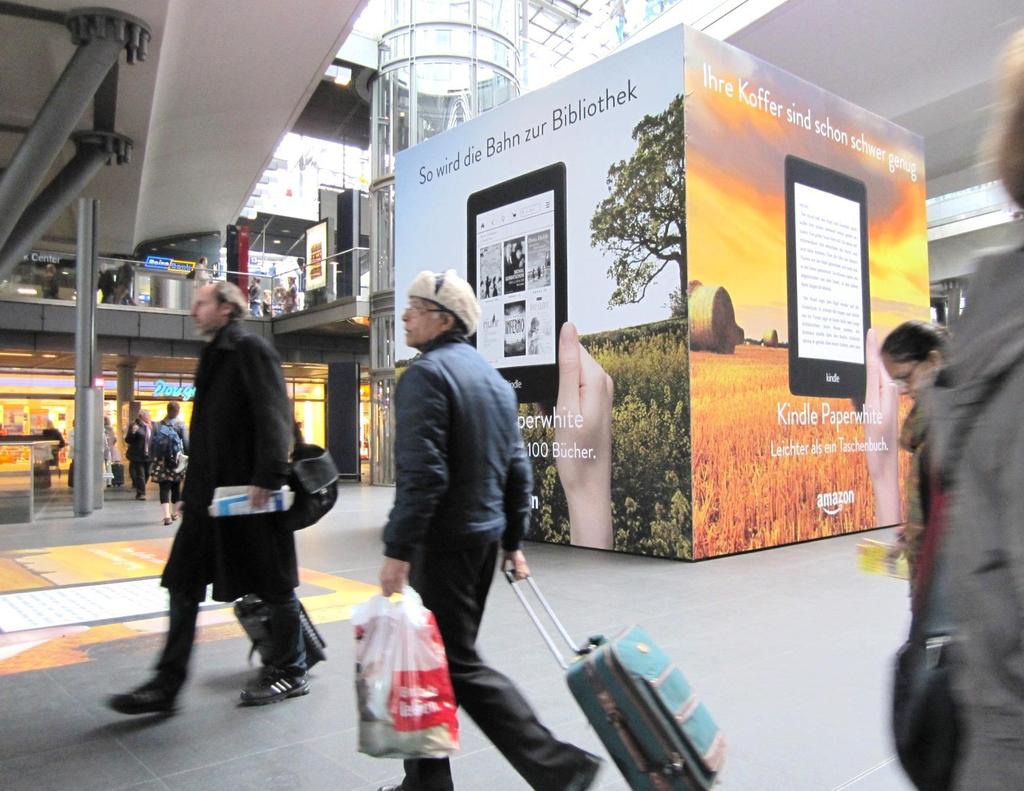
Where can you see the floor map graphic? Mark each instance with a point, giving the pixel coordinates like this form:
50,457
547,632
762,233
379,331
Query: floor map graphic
56,602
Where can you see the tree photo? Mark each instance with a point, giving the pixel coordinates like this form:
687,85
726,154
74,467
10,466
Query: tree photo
641,224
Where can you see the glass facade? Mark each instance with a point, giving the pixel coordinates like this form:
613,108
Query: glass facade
441,63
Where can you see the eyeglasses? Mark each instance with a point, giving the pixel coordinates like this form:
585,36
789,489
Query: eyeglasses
419,309
904,377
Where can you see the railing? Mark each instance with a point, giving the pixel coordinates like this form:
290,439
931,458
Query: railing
135,283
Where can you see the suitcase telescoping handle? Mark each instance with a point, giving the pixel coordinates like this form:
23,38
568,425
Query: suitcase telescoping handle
555,651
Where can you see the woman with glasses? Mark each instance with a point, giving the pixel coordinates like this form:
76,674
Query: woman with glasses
912,354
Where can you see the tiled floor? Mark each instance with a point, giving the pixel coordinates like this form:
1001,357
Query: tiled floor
790,648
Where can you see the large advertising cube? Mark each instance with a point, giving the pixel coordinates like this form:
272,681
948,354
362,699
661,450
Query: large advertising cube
686,260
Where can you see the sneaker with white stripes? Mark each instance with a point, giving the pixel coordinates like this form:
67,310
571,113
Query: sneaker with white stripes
273,685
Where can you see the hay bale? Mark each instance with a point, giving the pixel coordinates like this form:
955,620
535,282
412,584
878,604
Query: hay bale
713,325
770,339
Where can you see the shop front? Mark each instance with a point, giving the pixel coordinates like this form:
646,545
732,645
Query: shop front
30,402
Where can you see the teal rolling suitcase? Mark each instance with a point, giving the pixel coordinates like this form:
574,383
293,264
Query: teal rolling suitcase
655,728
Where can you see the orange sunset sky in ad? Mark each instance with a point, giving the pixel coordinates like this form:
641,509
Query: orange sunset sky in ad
735,153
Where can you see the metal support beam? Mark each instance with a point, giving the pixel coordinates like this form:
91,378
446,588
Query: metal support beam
28,12
100,36
104,107
95,149
55,122
87,452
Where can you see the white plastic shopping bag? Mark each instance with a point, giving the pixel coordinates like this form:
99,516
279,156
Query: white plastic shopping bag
406,704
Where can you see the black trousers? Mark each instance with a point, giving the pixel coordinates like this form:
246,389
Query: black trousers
454,585
139,472
289,654
170,491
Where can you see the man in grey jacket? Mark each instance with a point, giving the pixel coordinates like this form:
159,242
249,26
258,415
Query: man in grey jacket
977,441
463,486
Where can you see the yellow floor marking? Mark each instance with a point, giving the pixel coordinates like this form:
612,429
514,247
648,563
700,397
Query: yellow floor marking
123,560
14,576
83,563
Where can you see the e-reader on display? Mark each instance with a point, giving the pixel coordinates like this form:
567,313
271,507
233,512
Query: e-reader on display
516,261
828,290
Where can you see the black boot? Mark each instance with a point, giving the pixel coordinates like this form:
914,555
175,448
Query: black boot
153,697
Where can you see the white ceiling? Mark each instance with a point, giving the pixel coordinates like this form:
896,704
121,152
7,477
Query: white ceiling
223,82
923,64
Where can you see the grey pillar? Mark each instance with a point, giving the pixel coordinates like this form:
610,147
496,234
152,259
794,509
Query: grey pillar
125,395
87,454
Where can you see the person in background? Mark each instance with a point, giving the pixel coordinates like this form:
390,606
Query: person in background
137,440
240,435
169,477
462,496
110,451
71,454
50,284
52,433
106,285
201,272
123,285
300,302
912,355
291,296
976,445
255,298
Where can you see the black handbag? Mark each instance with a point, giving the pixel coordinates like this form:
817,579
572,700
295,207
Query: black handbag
925,721
314,480
254,615
924,714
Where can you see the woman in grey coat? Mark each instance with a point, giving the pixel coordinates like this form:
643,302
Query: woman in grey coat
978,450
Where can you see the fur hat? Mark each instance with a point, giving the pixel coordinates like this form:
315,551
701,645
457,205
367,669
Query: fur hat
451,292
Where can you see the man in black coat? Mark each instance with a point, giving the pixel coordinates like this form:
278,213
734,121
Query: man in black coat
240,434
137,440
462,495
